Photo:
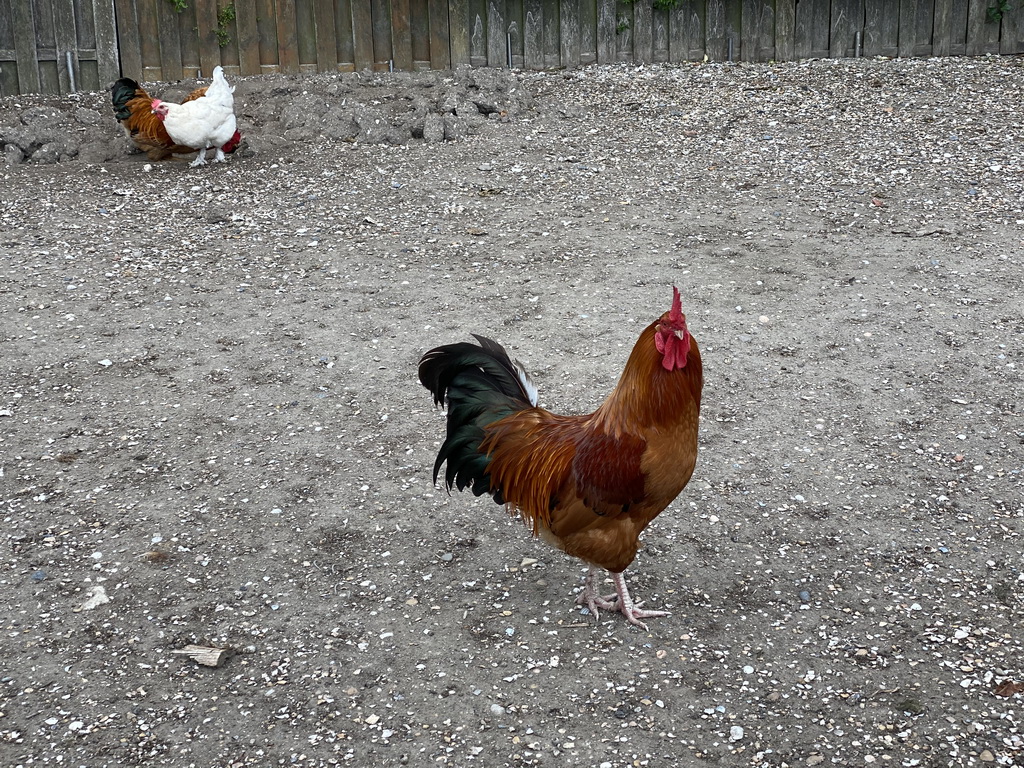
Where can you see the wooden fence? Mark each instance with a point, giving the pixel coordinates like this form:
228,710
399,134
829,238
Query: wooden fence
53,45
37,37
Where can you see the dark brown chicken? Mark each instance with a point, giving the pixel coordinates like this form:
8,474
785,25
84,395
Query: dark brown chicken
590,484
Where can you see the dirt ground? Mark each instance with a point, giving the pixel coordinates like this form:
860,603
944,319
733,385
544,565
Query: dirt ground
211,431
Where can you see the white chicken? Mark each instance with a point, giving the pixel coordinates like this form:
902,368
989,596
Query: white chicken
208,121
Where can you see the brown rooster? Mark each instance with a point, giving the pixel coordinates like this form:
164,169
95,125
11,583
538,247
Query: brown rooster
133,108
590,484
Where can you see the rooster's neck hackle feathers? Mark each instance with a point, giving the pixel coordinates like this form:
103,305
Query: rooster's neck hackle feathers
647,389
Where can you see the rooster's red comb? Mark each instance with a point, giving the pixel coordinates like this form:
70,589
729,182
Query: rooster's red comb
675,315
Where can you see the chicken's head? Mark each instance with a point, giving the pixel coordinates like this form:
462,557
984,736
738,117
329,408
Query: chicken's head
233,142
672,337
159,108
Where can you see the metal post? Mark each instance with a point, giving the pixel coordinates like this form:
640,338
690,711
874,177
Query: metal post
508,41
71,72
856,44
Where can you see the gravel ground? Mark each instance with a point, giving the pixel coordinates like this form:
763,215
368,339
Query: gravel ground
211,432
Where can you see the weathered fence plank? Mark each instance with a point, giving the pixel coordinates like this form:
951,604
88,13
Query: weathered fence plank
248,37
841,31
266,26
128,45
362,23
65,41
8,57
441,56
326,36
942,30
987,32
188,42
659,35
881,28
477,33
588,31
922,28
305,35
1011,34
401,35
169,37
976,12
817,28
496,53
287,36
605,31
343,36
695,30
206,24
25,47
569,33
757,31
419,34
514,30
46,48
149,41
785,21
380,12
533,34
733,31
550,36
907,27
678,41
643,33
107,64
802,31
958,37
714,22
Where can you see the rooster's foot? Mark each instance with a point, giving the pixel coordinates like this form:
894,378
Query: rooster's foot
618,601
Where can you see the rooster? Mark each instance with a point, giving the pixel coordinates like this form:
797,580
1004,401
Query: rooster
590,484
133,108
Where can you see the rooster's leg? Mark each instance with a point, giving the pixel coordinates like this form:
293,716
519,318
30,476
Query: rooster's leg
620,601
593,599
219,157
201,160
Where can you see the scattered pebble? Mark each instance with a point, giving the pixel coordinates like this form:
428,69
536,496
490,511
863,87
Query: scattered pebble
97,596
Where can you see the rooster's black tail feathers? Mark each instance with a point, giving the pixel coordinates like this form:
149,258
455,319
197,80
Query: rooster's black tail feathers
480,385
121,93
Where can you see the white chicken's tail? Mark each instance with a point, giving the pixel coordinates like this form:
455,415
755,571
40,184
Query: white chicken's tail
219,90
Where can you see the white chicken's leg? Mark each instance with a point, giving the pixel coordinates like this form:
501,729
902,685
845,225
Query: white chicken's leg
219,157
620,601
201,160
